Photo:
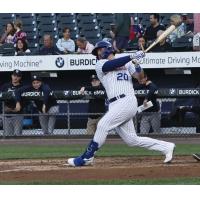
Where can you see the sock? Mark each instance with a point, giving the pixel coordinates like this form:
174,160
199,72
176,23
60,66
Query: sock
91,150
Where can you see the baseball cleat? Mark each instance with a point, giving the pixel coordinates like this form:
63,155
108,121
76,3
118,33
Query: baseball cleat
196,156
169,155
79,161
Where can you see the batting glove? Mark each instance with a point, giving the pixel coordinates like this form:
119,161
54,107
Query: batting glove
137,56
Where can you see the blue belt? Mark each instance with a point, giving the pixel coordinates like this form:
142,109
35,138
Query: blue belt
117,97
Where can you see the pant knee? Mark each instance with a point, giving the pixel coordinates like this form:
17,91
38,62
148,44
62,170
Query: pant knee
133,142
102,126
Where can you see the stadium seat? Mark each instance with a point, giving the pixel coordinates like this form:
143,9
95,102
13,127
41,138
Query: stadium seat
7,50
88,26
106,17
91,35
66,18
7,16
46,18
47,29
32,37
28,21
30,29
86,17
89,20
34,47
3,22
105,29
72,27
94,40
25,15
105,21
74,35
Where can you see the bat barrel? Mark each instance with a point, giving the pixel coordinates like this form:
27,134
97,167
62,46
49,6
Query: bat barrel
161,37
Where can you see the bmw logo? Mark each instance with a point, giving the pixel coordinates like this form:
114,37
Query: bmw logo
172,91
59,62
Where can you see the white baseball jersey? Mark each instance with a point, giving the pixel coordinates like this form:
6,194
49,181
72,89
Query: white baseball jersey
121,112
116,82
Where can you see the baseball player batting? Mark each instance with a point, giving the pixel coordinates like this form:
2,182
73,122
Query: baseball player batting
115,75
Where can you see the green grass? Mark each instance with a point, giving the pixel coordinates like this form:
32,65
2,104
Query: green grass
28,151
175,181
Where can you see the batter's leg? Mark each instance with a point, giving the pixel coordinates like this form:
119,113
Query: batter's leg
128,134
118,113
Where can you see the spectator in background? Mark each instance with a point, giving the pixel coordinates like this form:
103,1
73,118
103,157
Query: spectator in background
135,34
66,44
112,34
151,117
47,105
179,31
22,48
13,124
162,46
122,31
196,17
48,48
96,106
151,31
19,34
189,24
8,36
84,46
141,42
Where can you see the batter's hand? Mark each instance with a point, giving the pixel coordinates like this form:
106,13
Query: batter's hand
137,56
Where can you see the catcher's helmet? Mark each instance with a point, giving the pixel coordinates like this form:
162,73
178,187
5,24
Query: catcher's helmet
108,49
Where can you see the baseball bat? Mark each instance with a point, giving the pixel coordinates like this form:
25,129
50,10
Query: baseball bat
161,37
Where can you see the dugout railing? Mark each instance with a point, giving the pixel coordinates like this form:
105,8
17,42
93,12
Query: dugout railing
179,113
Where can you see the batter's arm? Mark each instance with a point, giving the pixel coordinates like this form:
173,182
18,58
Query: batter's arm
111,65
135,70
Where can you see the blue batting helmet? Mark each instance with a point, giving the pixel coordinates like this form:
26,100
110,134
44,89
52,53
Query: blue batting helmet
108,49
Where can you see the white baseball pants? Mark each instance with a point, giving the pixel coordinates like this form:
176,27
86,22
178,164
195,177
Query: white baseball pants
119,117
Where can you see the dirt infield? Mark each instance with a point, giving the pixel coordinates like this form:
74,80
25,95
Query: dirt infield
109,168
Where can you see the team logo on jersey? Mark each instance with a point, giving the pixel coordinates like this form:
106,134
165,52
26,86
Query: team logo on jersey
59,62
